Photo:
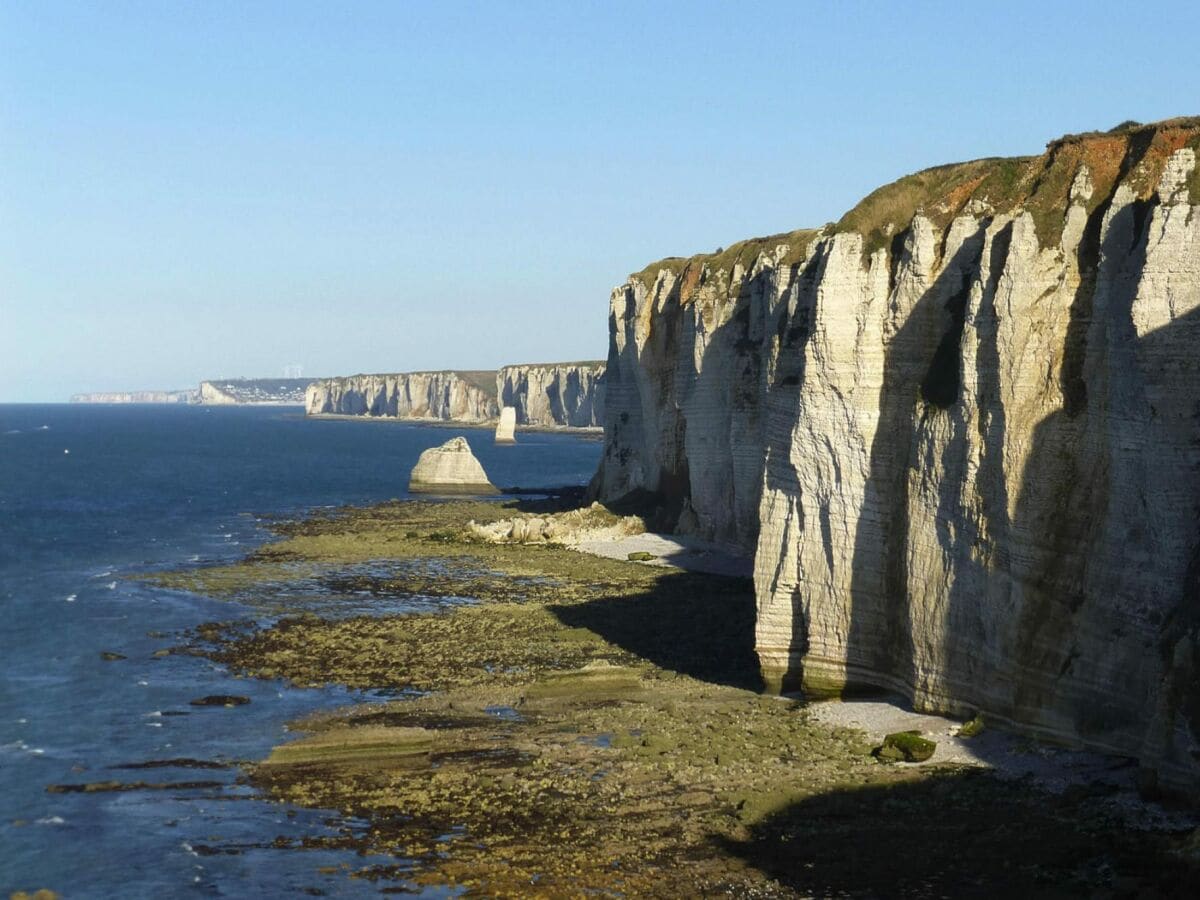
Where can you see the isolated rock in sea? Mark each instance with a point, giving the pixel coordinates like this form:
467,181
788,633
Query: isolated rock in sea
554,394
450,468
450,396
507,426
961,429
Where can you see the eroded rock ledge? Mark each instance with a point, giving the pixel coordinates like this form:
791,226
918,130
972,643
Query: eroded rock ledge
962,429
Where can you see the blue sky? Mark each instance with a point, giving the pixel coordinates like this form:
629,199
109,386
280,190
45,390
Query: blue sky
209,189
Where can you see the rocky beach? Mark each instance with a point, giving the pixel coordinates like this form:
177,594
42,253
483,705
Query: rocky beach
597,727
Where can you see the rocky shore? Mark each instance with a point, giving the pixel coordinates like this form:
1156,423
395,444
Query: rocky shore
596,726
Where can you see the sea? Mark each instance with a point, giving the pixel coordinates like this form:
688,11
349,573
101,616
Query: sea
91,497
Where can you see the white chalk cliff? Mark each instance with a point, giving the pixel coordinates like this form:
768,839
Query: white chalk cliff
554,394
450,468
444,396
960,429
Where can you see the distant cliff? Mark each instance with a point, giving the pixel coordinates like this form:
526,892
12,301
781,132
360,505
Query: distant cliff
254,391
185,396
564,394
464,396
553,394
960,429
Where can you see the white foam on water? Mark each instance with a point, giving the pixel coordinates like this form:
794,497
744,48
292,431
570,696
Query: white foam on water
52,820
112,585
71,598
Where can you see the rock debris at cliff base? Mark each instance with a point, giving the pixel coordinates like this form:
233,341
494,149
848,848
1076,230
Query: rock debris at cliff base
599,730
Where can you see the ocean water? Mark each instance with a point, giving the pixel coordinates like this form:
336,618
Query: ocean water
90,495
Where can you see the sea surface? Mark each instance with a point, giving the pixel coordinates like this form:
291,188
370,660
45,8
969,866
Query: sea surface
92,495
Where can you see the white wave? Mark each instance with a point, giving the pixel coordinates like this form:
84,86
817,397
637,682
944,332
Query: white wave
144,683
22,747
188,848
112,585
43,428
13,431
152,715
52,820
154,724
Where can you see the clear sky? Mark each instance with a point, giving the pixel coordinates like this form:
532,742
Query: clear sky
210,189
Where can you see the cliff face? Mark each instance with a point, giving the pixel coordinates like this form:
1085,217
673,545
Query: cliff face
136,397
964,426
254,391
449,396
564,394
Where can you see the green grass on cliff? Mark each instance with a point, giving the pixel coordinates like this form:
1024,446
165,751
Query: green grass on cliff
726,259
1040,185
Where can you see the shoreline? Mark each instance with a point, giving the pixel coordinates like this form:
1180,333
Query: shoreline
589,724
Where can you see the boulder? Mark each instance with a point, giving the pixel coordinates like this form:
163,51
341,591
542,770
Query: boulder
450,468
506,428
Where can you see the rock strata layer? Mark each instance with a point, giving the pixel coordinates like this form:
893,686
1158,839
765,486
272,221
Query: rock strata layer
450,468
446,396
555,394
961,429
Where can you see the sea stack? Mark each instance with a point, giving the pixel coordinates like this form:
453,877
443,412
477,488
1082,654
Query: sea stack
450,468
506,429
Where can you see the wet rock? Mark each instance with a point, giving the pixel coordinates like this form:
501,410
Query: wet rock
905,746
972,728
221,700
110,656
99,787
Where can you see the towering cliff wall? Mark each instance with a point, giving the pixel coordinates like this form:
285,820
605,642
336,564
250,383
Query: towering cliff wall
964,423
564,394
449,396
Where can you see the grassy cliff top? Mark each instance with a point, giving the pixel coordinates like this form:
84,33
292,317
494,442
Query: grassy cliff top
725,259
1041,185
576,364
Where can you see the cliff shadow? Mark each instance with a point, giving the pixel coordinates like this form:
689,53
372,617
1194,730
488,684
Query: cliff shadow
1070,476
922,378
695,624
962,834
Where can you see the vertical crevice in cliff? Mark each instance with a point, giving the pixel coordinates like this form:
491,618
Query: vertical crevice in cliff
992,418
943,380
1088,257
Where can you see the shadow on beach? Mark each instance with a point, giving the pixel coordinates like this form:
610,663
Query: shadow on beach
963,834
695,624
